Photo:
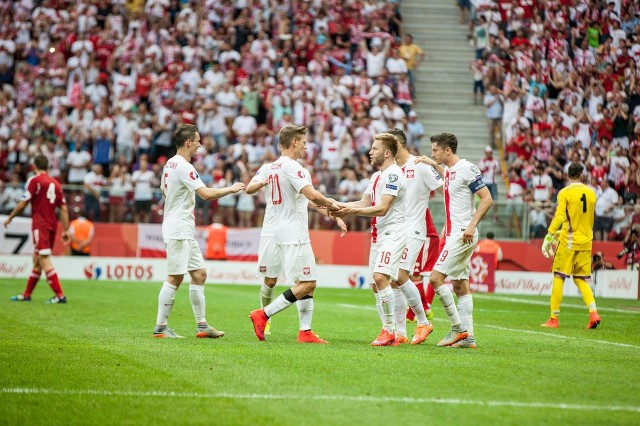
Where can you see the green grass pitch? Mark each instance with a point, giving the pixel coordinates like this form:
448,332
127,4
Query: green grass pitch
93,361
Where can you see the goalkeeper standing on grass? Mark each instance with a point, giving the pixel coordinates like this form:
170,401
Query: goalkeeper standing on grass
572,227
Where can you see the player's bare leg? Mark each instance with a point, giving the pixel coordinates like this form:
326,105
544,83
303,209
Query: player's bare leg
458,332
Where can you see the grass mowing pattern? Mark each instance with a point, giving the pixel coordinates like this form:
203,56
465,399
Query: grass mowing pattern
93,361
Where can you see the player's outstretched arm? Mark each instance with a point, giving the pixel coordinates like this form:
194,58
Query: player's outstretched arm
485,204
370,211
255,185
215,193
323,211
16,211
318,199
430,162
365,201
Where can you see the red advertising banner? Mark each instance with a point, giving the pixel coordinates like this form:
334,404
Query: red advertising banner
482,278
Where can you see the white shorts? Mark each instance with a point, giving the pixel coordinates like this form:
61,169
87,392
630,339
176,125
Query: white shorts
455,258
183,256
269,263
298,262
410,254
385,256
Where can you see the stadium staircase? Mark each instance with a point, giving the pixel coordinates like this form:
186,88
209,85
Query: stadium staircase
444,82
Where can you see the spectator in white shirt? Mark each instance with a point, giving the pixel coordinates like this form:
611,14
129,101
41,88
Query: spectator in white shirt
78,162
244,124
606,199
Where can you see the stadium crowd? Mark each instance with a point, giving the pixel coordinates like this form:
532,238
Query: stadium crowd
99,86
560,80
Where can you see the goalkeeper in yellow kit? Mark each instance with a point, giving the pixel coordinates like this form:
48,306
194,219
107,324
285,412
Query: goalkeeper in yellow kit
572,229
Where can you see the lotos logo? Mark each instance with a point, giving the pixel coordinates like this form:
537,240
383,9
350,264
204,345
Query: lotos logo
356,280
92,271
118,271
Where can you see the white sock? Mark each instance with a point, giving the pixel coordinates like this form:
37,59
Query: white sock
165,302
387,302
446,298
305,313
465,310
379,308
276,306
196,295
400,306
266,295
411,293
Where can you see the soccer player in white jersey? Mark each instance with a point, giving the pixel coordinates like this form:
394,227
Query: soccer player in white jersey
462,182
180,182
267,241
421,180
291,254
383,201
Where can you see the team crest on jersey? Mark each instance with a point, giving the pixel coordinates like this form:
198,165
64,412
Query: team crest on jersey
410,174
193,175
300,174
393,177
306,270
263,269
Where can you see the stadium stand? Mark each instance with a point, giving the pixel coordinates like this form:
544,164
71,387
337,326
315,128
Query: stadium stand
99,82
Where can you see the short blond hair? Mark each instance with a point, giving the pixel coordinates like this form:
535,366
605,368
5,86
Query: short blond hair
389,141
289,133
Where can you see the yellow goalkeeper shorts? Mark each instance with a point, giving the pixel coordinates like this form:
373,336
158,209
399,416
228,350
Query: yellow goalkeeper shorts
571,262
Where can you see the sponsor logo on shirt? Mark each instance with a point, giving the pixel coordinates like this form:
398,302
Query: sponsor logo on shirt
394,187
393,177
194,175
410,174
306,270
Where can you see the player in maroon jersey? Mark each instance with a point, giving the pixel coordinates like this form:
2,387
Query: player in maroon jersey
424,264
45,194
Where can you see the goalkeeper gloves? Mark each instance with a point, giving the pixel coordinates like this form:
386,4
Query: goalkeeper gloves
548,243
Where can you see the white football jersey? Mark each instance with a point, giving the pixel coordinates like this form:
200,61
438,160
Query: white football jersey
285,204
179,183
268,223
392,182
421,179
461,182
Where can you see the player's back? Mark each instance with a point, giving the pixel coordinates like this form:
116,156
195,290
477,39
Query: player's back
290,216
577,230
45,194
420,180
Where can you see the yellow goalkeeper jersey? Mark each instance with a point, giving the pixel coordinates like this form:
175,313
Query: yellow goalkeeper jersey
574,216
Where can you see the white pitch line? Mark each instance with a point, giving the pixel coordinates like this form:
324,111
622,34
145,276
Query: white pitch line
353,398
540,302
515,330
